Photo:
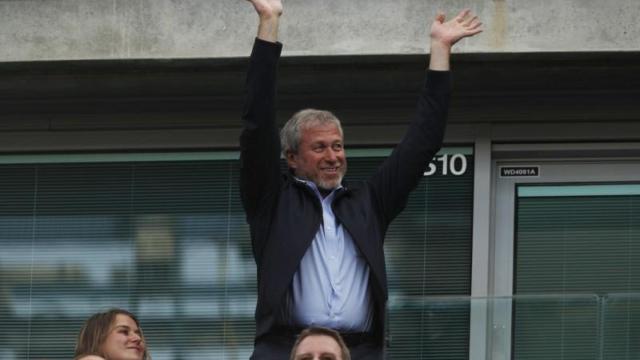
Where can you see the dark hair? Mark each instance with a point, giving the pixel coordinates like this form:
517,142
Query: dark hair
315,331
95,331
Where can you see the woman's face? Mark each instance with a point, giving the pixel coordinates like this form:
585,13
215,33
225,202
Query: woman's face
124,341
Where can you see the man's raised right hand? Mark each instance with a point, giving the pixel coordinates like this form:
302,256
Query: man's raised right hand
269,12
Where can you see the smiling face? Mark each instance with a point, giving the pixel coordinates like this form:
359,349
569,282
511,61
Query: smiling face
320,157
318,347
124,340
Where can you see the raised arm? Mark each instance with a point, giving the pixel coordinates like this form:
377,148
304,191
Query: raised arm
444,34
259,140
402,170
269,12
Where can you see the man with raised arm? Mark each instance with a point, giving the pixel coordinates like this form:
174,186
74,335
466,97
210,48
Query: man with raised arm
318,240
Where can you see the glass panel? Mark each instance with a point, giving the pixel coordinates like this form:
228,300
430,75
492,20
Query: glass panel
429,253
429,327
621,327
585,239
556,327
164,240
541,321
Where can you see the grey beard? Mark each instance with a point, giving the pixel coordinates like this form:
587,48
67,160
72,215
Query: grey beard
325,185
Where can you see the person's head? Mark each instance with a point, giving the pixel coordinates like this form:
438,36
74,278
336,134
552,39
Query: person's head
313,144
114,335
318,343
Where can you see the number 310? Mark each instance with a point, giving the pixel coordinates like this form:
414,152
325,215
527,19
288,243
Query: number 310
455,165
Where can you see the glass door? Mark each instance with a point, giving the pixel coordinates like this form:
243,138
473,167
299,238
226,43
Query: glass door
566,229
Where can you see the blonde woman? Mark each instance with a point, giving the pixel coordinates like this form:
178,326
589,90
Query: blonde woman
111,335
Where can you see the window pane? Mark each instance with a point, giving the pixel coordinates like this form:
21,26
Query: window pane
573,239
428,252
621,326
165,240
168,241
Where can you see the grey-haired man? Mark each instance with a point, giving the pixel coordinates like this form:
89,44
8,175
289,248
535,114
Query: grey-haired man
318,240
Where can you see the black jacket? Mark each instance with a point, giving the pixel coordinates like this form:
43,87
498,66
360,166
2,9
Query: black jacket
284,215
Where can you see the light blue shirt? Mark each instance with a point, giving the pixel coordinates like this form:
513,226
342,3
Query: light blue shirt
331,286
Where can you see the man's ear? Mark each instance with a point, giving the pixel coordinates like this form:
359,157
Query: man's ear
291,160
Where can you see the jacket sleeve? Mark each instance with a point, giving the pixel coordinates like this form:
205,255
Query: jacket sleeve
400,173
259,140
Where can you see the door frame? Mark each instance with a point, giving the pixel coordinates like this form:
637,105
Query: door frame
557,164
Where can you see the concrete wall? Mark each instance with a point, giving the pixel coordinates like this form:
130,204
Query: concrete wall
39,30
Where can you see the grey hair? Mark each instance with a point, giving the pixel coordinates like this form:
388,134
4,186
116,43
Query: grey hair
304,119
